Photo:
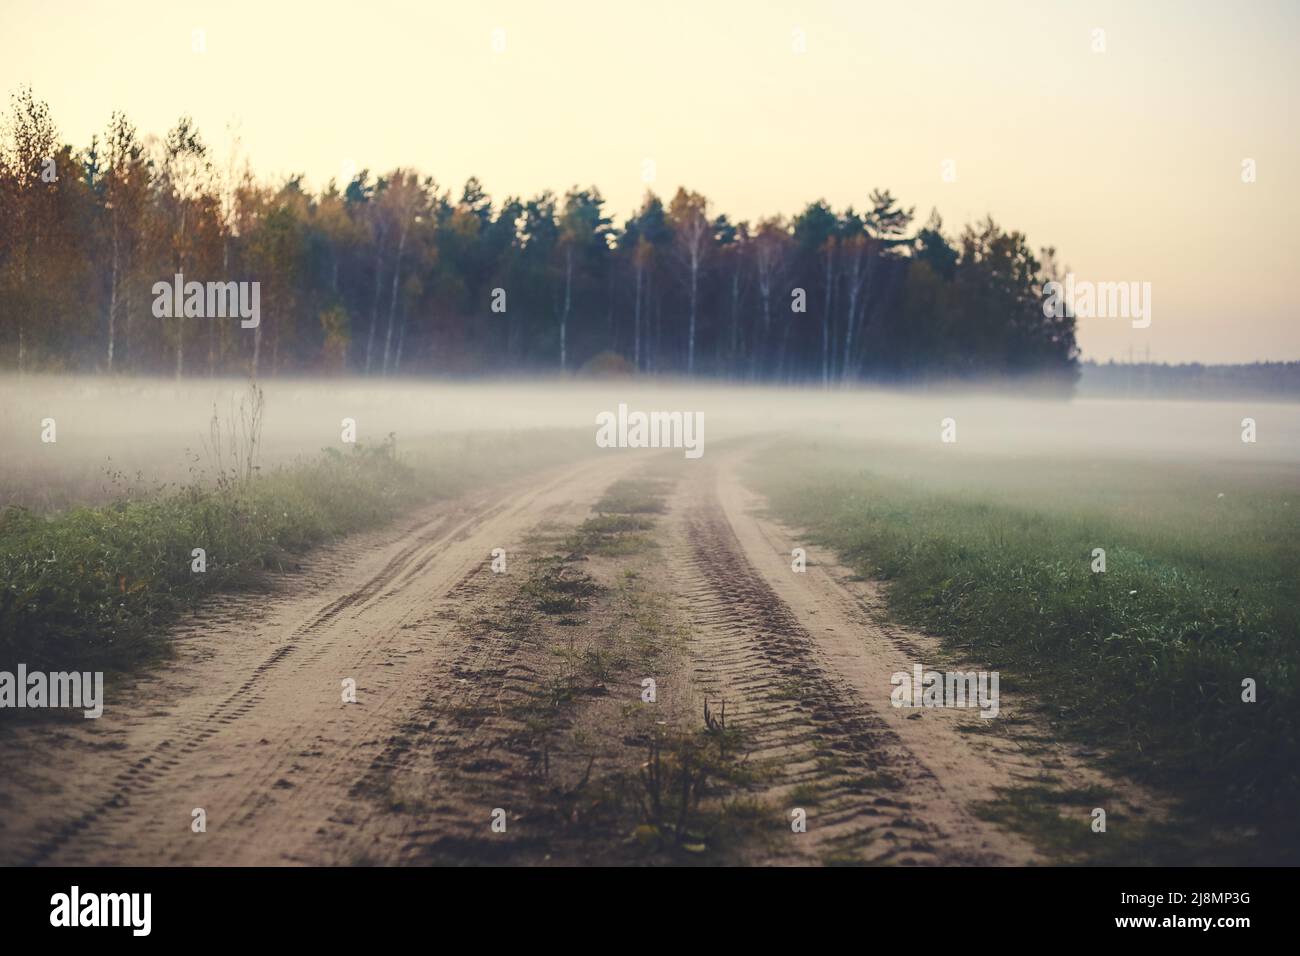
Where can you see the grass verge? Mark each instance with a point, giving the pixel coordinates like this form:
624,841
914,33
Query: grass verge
1148,658
94,588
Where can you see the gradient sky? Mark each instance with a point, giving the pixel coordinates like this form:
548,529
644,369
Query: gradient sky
1127,161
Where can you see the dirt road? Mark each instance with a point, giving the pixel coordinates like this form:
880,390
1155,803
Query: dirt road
479,702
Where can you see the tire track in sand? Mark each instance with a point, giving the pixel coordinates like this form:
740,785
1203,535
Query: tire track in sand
264,743
827,746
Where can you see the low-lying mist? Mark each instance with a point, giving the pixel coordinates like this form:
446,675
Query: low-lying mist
154,430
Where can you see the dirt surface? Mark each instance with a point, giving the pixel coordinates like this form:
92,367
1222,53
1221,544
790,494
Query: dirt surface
249,722
520,698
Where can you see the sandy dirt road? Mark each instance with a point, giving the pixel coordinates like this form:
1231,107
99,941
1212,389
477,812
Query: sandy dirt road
248,723
812,654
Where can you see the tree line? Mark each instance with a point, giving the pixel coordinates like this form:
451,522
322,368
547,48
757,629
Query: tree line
1278,381
395,274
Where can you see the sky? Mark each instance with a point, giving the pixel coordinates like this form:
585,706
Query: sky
1123,149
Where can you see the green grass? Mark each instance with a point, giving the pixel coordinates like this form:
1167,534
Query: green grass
557,588
679,794
632,496
1146,659
94,588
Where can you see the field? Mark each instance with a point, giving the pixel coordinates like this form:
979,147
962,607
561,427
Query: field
615,647
1200,592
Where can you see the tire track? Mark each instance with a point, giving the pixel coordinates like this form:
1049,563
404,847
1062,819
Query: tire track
301,741
825,749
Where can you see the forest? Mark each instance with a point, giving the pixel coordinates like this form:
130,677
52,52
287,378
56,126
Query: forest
396,274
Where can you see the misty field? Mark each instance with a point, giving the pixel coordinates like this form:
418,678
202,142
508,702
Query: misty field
150,433
98,562
989,541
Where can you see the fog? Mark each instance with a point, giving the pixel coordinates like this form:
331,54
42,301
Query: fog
157,427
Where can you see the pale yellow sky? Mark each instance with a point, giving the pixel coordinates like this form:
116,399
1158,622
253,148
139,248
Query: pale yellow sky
1128,160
